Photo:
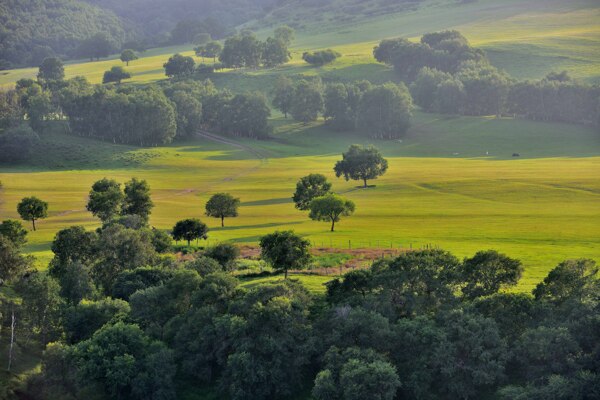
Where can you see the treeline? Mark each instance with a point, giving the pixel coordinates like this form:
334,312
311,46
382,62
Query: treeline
143,116
120,319
245,50
34,30
449,76
382,111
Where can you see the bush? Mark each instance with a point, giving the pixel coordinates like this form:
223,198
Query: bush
17,143
322,57
224,253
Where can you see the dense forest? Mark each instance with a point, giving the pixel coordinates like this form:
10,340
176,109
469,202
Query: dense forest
121,316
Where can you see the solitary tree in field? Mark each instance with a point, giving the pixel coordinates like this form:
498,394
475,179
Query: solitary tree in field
285,34
330,208
285,250
308,188
128,55
212,50
190,229
115,75
137,199
51,69
13,231
361,163
105,199
32,209
222,205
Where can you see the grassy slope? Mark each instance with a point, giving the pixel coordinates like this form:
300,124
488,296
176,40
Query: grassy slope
542,207
528,38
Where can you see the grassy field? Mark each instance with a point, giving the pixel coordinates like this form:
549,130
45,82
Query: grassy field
452,182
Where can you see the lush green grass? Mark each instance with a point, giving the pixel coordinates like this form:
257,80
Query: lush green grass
441,187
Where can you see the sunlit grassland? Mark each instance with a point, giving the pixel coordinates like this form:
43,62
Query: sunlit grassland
452,183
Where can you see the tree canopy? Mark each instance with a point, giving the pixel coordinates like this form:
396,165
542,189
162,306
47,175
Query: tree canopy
361,163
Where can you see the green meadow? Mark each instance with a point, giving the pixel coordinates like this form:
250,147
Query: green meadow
452,182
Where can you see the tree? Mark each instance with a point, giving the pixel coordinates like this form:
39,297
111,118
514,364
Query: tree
189,112
355,374
137,199
275,52
179,66
96,46
17,143
12,263
222,205
204,266
85,318
13,231
385,111
487,272
190,229
225,254
283,94
308,188
307,102
330,208
569,280
212,50
51,69
127,56
72,245
341,105
105,199
361,163
285,34
32,209
125,363
424,88
115,74
285,250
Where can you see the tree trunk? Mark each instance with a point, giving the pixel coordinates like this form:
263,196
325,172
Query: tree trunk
286,273
127,63
332,224
222,221
12,336
189,242
33,222
365,180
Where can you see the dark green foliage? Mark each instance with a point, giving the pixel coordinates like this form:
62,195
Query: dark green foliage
204,265
32,209
225,254
12,111
13,231
129,282
12,263
97,46
76,283
190,229
243,50
246,115
39,30
140,116
179,66
285,250
121,249
161,241
41,305
307,102
105,199
487,272
424,88
189,112
16,144
115,75
361,163
84,319
285,34
385,111
308,188
341,105
320,58
275,52
283,94
570,280
209,50
222,205
124,363
356,374
486,89
127,56
72,245
51,69
330,208
137,199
